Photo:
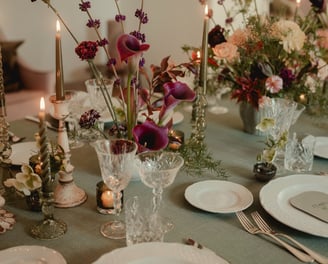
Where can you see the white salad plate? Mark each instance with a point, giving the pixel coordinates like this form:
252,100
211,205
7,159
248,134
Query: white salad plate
321,147
219,196
31,255
160,253
21,152
275,196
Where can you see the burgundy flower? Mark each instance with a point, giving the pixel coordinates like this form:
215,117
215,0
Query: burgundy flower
128,45
288,77
216,36
93,23
248,92
89,118
84,6
150,136
319,4
179,91
87,50
119,18
102,42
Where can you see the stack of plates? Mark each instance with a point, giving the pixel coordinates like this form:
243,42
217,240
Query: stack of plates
275,197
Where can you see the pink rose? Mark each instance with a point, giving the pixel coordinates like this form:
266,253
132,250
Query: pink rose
227,51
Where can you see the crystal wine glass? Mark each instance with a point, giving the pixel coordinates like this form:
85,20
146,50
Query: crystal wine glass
116,159
76,107
158,170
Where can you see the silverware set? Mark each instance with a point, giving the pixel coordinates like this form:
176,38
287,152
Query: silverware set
302,252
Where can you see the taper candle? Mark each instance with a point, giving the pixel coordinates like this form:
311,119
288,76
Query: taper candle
204,53
44,152
59,66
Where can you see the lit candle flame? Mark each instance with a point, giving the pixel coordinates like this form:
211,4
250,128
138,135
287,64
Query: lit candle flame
206,9
57,26
42,104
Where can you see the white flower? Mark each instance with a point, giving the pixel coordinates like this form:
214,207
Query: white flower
291,36
268,155
265,124
26,181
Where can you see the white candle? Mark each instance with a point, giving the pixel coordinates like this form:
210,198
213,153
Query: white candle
107,199
59,66
204,53
44,154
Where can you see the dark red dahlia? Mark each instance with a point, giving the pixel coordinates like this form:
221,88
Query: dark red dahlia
87,50
216,36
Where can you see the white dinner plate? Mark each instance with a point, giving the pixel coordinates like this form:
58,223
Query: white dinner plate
21,152
219,196
160,253
31,255
321,147
275,195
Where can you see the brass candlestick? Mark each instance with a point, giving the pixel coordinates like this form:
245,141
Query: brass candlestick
49,228
67,194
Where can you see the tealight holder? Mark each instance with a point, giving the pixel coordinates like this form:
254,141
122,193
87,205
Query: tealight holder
176,139
105,199
67,194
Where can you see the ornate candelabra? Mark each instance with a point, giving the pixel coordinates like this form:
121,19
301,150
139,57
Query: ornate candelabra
49,228
67,194
199,107
5,148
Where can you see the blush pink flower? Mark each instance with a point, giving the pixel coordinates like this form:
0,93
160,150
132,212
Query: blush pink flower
273,84
322,38
227,51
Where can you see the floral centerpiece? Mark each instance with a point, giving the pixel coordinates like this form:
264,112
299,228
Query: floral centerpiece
156,97
149,95
271,56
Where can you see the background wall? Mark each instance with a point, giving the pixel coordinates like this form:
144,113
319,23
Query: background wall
172,23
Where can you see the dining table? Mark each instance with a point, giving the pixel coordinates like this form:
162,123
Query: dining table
222,233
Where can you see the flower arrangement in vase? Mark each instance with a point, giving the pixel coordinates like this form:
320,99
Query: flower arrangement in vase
270,56
153,99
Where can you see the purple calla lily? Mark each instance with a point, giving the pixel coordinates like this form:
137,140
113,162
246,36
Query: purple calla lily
175,92
128,45
179,91
150,136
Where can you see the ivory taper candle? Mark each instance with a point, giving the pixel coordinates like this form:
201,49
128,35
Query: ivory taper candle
204,53
44,152
59,66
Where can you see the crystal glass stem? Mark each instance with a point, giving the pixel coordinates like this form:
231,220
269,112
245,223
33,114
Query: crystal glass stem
49,227
157,199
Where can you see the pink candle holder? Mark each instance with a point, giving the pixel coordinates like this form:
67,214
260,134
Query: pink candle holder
67,194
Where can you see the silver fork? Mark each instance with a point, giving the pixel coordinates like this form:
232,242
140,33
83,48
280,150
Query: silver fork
252,229
266,228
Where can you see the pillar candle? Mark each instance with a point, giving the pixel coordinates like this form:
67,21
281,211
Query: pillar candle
204,53
59,66
44,154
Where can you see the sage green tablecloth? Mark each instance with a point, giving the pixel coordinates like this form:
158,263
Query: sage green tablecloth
220,232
